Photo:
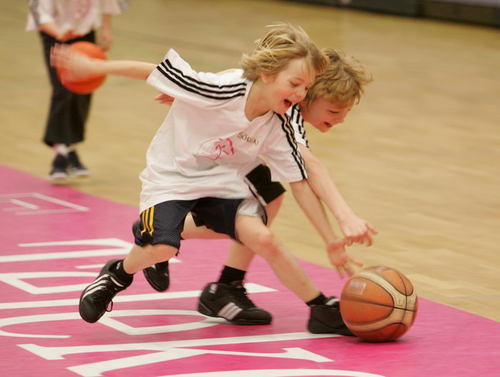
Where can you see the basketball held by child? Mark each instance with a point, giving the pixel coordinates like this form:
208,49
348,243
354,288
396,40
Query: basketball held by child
88,84
378,304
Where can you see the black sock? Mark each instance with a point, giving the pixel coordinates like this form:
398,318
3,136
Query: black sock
319,300
230,274
123,276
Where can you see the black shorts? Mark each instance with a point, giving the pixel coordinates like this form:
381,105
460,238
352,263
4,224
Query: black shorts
163,223
262,187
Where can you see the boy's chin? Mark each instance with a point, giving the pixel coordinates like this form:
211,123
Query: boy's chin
322,128
282,109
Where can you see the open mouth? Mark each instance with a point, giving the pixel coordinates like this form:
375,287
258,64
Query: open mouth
287,103
328,124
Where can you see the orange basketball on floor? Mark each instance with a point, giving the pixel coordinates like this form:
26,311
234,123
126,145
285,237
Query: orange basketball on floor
378,304
89,84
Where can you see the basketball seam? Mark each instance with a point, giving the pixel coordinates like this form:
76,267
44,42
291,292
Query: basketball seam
352,298
407,297
392,334
382,283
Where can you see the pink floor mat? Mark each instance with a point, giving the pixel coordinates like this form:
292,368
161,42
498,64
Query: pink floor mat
54,241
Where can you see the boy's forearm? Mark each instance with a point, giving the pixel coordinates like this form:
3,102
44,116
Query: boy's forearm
126,68
323,186
328,192
106,21
312,208
51,29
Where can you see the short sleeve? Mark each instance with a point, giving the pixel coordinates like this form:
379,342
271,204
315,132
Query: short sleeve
41,12
297,122
282,154
175,77
113,6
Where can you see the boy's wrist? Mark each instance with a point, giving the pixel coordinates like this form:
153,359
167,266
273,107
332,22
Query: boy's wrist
344,214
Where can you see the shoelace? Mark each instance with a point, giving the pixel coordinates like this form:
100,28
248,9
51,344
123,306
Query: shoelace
239,294
105,295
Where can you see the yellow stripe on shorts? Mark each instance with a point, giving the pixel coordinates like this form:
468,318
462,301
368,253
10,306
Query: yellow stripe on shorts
147,218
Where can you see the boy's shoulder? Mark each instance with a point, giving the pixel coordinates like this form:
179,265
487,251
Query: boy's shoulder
296,121
175,63
233,75
294,115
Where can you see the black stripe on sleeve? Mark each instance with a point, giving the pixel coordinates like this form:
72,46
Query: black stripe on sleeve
300,121
195,86
288,130
178,72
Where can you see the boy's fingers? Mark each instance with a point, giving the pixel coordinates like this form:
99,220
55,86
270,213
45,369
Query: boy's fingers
357,263
372,229
368,239
349,270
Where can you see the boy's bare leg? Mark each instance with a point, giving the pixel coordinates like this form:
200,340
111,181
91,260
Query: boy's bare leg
141,257
324,314
117,275
240,256
227,298
256,236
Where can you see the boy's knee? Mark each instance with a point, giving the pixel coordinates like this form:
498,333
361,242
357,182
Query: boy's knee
267,244
161,253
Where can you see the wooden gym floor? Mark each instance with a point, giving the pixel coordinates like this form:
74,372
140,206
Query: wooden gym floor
419,157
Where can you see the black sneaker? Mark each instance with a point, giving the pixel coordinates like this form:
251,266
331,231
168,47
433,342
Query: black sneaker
75,167
230,301
326,319
98,296
59,170
158,276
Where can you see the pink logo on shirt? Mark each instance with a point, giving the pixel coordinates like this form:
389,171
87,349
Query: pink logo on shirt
222,147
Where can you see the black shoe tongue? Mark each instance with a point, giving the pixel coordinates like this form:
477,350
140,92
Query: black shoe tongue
332,301
236,284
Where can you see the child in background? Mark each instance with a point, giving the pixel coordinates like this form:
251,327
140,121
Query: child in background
66,21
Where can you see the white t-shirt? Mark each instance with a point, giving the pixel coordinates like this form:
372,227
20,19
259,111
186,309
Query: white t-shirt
206,145
82,16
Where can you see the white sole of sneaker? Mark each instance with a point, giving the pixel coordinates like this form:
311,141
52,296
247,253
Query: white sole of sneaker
59,179
79,173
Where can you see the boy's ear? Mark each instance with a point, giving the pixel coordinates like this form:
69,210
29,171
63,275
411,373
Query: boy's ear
267,78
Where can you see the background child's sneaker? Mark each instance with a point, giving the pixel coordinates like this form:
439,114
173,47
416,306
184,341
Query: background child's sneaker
59,170
75,166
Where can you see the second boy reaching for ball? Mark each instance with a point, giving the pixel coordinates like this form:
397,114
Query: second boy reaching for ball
327,103
202,142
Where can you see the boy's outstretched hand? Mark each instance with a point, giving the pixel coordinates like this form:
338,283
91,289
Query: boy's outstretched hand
357,230
345,265
71,65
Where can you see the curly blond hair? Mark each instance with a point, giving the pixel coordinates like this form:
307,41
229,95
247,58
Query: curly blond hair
281,44
342,82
